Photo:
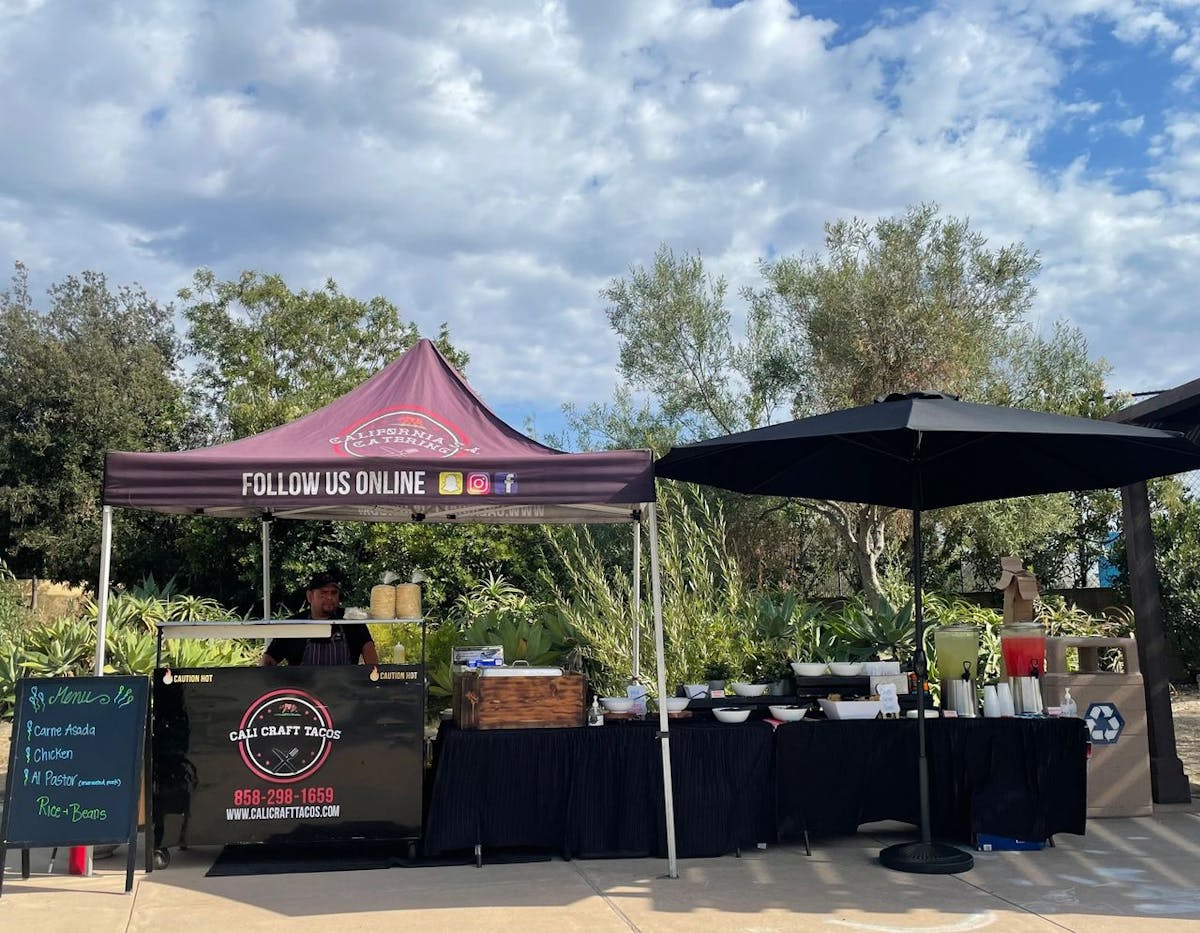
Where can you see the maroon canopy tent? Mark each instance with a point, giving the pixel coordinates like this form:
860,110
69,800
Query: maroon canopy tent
412,443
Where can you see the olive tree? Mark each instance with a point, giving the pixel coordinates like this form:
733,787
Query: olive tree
915,301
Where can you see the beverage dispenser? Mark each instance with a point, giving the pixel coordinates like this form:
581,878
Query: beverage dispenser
957,650
1023,646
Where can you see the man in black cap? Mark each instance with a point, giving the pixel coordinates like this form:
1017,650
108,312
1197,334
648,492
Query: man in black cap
345,644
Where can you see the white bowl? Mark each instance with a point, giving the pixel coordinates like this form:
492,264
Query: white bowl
809,668
677,704
851,709
731,714
788,713
750,690
845,668
617,704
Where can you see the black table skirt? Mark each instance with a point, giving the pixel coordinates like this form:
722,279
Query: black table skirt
1022,778
597,792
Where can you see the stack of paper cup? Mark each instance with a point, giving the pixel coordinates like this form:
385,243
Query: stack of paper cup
1004,692
408,601
383,601
991,702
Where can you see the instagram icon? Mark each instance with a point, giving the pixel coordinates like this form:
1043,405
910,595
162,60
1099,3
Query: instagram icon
478,484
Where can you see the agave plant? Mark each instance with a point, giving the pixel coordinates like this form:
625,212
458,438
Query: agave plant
767,641
127,610
523,638
129,651
440,639
818,635
882,631
492,594
186,608
62,648
195,653
11,670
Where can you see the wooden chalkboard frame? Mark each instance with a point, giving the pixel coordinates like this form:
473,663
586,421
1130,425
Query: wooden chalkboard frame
128,745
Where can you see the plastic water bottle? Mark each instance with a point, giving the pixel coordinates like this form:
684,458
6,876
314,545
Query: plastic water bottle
1069,707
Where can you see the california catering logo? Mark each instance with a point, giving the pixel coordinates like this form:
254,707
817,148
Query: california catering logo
285,736
402,432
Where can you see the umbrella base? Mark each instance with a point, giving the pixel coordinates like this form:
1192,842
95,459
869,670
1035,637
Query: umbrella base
926,858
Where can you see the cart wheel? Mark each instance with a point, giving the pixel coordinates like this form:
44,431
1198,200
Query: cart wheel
162,858
412,851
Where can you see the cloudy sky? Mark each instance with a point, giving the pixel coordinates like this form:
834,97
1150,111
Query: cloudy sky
494,164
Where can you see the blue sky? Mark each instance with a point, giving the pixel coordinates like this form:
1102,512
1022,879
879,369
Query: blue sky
493,164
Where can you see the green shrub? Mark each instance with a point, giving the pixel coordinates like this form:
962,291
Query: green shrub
65,647
704,601
1177,554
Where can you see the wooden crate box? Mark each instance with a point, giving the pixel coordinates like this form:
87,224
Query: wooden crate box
518,702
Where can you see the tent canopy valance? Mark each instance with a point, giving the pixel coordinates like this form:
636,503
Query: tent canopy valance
412,443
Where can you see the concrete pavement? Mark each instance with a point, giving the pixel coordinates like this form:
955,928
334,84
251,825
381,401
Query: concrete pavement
1125,874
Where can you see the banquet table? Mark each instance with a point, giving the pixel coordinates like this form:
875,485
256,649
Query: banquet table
597,792
1020,778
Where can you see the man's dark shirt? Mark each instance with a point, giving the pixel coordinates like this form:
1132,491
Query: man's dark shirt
355,636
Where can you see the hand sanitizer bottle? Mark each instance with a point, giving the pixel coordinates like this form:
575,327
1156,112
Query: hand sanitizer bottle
595,717
1069,707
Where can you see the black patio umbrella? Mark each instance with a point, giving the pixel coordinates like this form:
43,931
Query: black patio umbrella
926,451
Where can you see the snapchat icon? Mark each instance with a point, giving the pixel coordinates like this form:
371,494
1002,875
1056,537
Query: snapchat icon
450,484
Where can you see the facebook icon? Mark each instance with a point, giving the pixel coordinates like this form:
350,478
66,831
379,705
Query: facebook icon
504,484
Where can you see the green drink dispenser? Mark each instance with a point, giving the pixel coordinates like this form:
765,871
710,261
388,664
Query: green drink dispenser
957,649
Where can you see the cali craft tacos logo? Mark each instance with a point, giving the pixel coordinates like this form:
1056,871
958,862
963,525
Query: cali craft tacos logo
285,736
403,431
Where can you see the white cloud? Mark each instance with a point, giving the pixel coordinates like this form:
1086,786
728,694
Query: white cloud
493,164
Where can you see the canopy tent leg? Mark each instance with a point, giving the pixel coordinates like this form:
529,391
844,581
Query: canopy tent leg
266,567
637,600
106,515
660,664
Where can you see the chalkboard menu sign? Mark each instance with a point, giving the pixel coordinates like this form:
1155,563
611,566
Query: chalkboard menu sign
75,769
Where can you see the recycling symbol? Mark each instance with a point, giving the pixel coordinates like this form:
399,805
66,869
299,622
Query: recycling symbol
1104,723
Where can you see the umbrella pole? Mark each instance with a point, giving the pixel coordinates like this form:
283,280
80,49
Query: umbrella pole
921,666
925,857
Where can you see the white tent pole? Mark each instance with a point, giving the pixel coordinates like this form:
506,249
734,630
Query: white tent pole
660,662
266,567
637,599
102,592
